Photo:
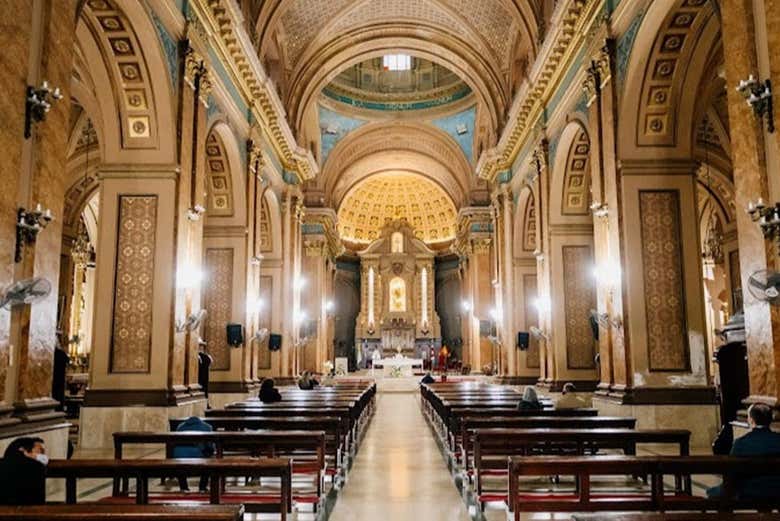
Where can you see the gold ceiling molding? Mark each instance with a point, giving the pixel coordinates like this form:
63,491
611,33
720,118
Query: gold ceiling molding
574,17
221,19
388,197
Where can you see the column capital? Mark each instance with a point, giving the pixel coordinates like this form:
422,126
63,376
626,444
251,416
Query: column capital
319,228
475,230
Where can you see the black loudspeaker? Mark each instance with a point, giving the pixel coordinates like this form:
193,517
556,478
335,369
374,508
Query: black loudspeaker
274,342
523,340
235,335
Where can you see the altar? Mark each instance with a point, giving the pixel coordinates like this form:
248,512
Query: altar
398,365
398,306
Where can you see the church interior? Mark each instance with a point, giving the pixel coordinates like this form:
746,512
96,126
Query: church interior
413,218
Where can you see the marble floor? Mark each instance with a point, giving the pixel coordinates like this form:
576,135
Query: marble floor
399,473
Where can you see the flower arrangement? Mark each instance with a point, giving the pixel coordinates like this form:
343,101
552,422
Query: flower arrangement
327,365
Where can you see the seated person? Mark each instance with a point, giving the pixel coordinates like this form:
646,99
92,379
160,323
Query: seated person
201,450
23,473
570,399
530,400
760,441
427,379
307,382
268,393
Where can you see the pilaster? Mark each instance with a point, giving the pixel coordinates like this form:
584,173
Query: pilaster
475,243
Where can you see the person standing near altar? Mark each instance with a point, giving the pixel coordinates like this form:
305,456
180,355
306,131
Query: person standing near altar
375,357
444,355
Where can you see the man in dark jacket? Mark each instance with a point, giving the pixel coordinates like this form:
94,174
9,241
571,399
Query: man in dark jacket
202,450
23,473
760,441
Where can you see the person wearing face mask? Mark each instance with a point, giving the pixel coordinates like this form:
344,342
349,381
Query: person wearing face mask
23,473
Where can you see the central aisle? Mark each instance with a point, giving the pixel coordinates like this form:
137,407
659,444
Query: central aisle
399,473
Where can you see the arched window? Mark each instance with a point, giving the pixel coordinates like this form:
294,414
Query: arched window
397,295
397,242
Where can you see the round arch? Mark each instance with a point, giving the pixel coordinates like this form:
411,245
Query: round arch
667,62
225,179
524,235
570,181
319,69
132,90
381,146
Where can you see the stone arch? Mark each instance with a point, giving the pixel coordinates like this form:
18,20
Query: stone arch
525,234
130,82
371,43
379,146
669,57
269,225
225,180
570,184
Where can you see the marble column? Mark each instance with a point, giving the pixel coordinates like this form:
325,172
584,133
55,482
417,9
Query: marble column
188,228
38,45
503,205
292,211
601,93
751,179
547,353
321,246
475,243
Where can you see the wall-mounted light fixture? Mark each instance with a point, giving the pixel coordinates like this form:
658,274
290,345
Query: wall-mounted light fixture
194,213
758,96
38,104
465,305
256,260
599,209
767,217
28,224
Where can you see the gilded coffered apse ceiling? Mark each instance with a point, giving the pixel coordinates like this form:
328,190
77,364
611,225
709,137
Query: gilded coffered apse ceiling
390,196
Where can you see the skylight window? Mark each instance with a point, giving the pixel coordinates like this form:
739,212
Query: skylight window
397,62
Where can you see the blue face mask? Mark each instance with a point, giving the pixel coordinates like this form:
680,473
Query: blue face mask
42,459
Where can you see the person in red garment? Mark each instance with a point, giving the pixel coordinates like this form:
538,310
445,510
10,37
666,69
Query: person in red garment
444,355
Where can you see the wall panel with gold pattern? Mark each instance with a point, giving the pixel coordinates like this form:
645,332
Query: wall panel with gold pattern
131,341
531,319
218,303
579,298
667,341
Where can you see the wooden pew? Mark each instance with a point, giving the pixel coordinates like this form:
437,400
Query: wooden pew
657,516
122,513
349,414
468,425
655,497
349,425
493,446
335,436
454,428
305,448
142,470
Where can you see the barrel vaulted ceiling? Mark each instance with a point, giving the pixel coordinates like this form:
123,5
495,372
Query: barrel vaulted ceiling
308,42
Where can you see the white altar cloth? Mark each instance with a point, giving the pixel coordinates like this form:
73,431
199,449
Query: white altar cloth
398,363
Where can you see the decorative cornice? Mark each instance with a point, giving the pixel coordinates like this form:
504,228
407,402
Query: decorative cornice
475,231
320,234
560,48
224,22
